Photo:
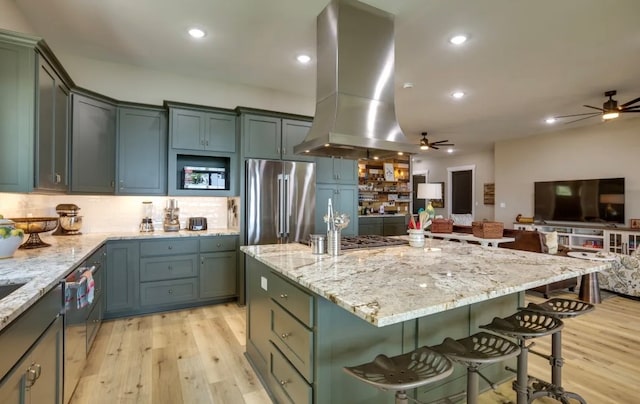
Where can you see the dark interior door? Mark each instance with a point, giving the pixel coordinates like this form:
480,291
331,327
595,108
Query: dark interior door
461,187
417,203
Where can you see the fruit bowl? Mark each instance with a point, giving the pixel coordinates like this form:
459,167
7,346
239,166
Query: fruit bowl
34,225
10,238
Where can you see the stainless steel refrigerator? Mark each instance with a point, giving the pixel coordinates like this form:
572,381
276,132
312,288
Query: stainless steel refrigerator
280,201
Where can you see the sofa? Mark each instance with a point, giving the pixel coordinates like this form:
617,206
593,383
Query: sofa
624,275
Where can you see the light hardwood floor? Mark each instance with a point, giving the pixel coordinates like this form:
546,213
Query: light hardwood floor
196,357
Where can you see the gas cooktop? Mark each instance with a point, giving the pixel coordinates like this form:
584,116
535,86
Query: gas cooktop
353,242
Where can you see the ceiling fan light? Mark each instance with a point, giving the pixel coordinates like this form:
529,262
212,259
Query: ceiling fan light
610,115
424,147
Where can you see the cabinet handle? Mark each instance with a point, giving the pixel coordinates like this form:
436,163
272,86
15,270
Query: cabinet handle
58,178
218,245
170,247
170,291
285,335
283,382
113,184
170,268
206,143
33,373
283,296
284,151
202,142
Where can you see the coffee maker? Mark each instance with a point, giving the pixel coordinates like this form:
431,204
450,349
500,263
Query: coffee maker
69,223
171,216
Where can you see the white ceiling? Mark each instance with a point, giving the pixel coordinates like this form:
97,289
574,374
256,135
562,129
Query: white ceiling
525,61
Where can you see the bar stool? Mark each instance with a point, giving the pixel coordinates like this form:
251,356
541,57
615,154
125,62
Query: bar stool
560,308
524,325
400,373
475,350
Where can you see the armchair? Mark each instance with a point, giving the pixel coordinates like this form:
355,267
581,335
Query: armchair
623,276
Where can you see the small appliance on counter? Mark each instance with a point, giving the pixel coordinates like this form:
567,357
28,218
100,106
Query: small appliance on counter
69,223
197,223
146,226
171,216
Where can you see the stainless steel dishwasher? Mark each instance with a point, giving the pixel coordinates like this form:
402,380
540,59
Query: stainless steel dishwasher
80,323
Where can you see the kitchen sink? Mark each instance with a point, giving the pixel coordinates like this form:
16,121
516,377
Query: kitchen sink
6,290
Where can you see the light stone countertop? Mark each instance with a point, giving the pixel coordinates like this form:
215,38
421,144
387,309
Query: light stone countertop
389,285
42,268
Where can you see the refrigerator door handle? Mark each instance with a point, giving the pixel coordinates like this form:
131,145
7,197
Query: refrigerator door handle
286,207
281,202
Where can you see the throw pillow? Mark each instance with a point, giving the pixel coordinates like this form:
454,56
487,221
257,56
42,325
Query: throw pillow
551,240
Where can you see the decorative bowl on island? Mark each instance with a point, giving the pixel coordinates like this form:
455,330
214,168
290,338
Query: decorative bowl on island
10,238
34,225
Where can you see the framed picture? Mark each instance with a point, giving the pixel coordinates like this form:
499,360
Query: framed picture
635,223
439,203
389,174
489,193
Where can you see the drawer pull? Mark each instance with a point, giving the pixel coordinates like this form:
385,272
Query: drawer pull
283,296
170,268
284,382
170,291
218,245
285,335
170,247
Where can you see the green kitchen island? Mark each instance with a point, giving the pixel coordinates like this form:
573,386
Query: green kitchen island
310,315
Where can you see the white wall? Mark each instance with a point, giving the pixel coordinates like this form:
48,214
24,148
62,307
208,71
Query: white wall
104,213
12,19
606,150
437,168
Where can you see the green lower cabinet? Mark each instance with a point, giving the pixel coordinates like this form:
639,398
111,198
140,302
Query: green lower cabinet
162,293
218,274
300,357
123,262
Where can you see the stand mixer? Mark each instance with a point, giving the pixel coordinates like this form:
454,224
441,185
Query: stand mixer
171,216
69,223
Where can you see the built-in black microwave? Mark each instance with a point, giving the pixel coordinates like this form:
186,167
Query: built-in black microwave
204,178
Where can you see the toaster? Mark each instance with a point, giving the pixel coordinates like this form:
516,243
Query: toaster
197,223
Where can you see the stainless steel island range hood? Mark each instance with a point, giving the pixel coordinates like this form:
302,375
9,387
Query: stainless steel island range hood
355,112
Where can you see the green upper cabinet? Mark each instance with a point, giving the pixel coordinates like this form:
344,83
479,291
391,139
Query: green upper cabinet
344,199
335,170
52,146
272,137
93,145
142,151
34,116
202,138
194,129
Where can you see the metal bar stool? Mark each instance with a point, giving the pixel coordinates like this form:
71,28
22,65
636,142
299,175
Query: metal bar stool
475,350
560,308
400,373
524,325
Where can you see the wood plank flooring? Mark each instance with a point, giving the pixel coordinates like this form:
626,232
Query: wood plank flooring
196,357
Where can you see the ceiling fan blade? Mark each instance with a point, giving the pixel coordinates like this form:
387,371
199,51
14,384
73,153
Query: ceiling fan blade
446,144
630,103
631,110
589,106
576,120
431,146
440,142
572,115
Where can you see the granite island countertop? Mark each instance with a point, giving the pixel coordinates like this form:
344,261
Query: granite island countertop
41,269
389,285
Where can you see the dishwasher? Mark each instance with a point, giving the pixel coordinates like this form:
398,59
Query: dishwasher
80,323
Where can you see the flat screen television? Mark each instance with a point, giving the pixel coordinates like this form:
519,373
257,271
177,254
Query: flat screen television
590,201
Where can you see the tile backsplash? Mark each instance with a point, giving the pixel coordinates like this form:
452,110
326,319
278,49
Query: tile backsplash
106,213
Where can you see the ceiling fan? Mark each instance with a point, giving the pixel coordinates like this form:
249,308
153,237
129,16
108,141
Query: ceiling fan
610,109
426,145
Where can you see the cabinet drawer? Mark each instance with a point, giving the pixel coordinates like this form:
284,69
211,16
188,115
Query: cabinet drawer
293,339
166,247
167,292
289,386
294,300
219,243
157,269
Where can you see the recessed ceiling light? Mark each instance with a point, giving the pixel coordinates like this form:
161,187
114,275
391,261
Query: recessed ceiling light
449,150
304,59
550,120
407,85
458,39
197,33
457,94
